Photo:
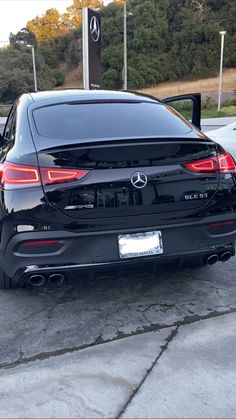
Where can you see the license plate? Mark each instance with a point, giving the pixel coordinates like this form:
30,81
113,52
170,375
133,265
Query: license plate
140,244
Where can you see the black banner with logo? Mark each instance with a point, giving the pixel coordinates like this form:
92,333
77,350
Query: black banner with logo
92,69
94,44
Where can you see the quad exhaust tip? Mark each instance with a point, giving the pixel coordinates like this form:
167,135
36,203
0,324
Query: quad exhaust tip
226,256
223,257
56,279
37,280
213,259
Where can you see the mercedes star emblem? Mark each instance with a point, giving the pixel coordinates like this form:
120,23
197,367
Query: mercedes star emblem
139,180
94,29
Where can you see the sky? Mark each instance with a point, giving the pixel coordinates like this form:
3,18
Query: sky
14,14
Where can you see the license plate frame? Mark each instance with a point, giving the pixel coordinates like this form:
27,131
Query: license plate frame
137,245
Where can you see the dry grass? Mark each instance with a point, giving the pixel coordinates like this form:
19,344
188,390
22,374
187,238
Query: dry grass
201,85
73,78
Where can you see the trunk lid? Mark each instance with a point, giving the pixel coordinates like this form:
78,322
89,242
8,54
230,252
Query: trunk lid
131,177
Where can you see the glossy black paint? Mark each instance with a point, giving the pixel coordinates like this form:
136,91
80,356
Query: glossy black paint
107,189
88,236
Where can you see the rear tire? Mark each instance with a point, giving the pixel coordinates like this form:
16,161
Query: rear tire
6,282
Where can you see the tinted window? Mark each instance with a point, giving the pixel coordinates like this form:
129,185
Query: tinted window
107,120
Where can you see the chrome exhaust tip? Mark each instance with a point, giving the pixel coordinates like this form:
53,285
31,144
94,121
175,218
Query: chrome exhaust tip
212,259
56,279
37,280
226,256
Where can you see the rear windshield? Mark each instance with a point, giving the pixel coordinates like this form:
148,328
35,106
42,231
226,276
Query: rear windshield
73,121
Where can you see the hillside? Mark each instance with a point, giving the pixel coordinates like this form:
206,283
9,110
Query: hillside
205,85
73,79
167,40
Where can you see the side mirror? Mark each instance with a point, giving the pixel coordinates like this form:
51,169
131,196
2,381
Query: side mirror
1,137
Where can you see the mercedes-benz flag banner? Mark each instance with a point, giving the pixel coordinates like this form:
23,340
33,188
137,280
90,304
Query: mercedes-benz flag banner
92,69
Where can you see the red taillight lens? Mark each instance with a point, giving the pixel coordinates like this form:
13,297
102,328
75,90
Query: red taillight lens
208,165
14,174
226,162
50,176
28,176
222,163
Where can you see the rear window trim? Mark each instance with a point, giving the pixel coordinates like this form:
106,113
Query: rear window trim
95,102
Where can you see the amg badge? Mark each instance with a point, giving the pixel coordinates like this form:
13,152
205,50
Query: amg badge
78,207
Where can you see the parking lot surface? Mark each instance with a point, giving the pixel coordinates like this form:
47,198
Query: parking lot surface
105,346
184,371
37,323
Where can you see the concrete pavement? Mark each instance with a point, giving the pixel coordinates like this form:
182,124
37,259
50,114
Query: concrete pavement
218,121
209,124
195,377
177,372
35,324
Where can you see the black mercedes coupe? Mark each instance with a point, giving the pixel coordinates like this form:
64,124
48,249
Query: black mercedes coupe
101,179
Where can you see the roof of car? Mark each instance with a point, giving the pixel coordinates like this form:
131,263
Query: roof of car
81,95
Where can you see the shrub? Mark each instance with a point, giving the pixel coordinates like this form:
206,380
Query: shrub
59,76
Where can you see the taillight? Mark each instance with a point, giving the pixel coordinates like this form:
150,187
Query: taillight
226,162
50,176
221,163
14,174
27,176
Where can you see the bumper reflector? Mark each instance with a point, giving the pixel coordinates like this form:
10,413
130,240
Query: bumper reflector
41,243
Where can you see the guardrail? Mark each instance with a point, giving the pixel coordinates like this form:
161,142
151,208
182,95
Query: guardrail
213,96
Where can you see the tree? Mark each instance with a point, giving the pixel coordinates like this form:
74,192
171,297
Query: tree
167,39
24,36
147,30
48,27
73,15
199,6
52,24
17,74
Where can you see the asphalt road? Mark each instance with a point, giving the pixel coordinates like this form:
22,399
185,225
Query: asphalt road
36,324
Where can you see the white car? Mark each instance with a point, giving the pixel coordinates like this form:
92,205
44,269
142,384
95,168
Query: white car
225,136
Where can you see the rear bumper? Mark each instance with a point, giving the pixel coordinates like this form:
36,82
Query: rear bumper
25,273
99,250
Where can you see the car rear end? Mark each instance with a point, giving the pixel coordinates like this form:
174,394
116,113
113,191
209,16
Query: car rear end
117,182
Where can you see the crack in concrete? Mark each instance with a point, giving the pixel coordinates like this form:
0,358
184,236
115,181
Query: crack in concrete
99,340
162,307
49,316
169,339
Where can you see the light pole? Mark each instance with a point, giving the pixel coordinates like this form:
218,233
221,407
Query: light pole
34,66
222,34
125,85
